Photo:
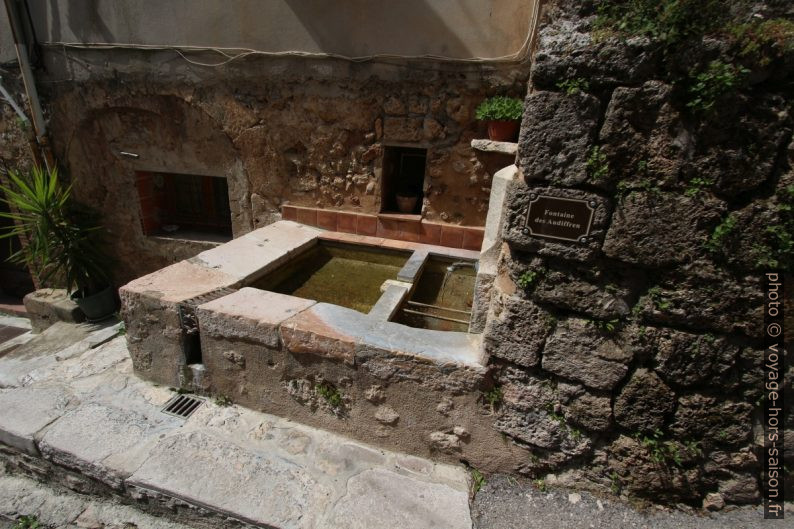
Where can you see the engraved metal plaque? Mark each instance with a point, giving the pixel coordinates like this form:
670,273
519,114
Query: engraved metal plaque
565,219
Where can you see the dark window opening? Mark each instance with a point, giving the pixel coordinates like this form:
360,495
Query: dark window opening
183,204
403,180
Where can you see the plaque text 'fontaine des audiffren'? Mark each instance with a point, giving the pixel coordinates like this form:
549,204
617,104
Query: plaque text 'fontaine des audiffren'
559,218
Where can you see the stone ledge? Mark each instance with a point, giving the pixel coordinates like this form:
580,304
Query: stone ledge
48,305
497,147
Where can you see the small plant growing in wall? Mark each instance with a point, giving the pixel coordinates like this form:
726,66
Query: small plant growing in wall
493,397
597,165
529,278
331,395
716,242
223,401
27,522
697,185
574,86
713,85
657,299
606,326
477,480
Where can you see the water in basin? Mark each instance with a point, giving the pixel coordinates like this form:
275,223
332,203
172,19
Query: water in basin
443,296
345,275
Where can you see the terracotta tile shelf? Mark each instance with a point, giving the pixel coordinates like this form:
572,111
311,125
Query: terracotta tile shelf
397,226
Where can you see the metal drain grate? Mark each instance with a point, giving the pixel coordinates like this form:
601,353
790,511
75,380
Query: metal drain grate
182,405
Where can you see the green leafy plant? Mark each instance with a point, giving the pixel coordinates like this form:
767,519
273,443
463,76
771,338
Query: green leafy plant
763,41
711,86
27,522
222,401
697,185
529,278
331,395
574,86
539,484
606,326
62,242
493,396
477,480
614,484
716,241
500,108
664,451
658,301
597,165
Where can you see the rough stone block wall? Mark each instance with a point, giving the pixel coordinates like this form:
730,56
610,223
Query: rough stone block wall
293,131
633,362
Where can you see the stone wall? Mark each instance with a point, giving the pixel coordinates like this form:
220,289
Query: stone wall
299,131
632,362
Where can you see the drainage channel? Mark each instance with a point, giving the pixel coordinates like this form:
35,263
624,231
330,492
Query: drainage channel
182,406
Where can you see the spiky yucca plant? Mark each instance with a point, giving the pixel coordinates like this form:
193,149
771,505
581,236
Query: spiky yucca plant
59,243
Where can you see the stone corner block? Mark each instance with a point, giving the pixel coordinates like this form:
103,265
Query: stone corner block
249,314
48,305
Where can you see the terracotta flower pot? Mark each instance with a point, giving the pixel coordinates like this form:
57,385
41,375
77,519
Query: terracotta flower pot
406,203
503,130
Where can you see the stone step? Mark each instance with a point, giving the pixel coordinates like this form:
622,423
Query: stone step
86,422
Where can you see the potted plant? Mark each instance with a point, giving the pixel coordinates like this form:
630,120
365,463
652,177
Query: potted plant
503,115
62,242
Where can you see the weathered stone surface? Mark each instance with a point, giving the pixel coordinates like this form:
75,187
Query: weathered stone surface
644,402
26,363
386,415
516,204
738,148
252,255
255,480
49,305
556,133
577,352
703,297
591,412
540,429
644,137
103,442
524,391
378,495
714,501
403,129
326,330
640,475
566,50
498,147
686,359
661,229
755,242
595,291
715,421
59,509
249,314
25,412
740,489
517,331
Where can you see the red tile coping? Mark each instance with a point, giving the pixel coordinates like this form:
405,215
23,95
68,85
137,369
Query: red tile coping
386,229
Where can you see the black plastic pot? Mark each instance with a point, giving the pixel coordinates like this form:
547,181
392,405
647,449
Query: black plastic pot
97,306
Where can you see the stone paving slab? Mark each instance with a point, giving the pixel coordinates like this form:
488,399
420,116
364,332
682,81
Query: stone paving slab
27,411
60,509
229,461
